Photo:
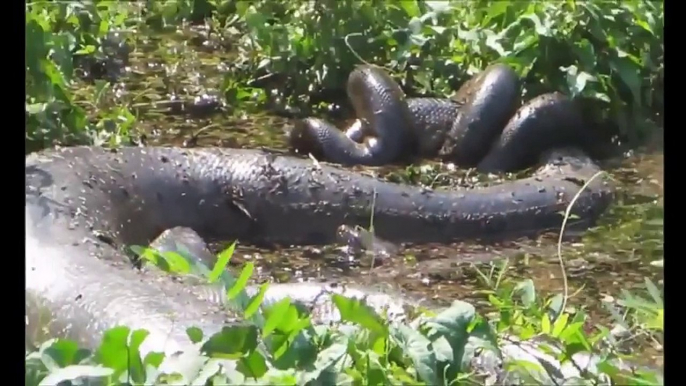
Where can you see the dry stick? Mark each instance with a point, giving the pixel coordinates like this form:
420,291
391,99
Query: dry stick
345,40
371,227
559,242
347,44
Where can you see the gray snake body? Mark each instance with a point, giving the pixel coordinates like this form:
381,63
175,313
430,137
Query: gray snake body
84,204
482,126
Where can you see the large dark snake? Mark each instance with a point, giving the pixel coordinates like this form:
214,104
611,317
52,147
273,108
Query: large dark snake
84,204
482,126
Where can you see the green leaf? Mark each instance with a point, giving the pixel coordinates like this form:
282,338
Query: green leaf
145,253
574,334
453,326
254,365
65,352
275,315
608,368
113,350
545,324
177,263
231,342
326,360
495,9
497,302
559,325
74,372
453,320
355,311
153,359
136,369
241,282
194,334
419,349
256,301
411,8
222,261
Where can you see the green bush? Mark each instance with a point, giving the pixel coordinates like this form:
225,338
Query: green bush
59,37
610,52
282,346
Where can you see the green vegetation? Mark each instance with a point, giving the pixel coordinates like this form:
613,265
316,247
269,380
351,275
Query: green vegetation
282,346
608,52
279,56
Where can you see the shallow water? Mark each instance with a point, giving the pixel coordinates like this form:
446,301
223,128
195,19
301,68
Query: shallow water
616,255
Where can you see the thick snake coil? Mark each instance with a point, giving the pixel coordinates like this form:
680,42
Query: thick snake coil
85,204
482,126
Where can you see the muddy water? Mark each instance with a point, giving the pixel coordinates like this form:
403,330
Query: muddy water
616,255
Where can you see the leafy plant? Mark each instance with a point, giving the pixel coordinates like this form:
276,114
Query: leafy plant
608,52
282,346
64,39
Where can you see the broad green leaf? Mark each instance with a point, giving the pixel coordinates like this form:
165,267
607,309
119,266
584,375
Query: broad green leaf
231,342
495,9
136,368
275,314
113,350
495,301
355,311
326,360
453,325
153,359
194,334
65,352
411,8
574,334
419,349
376,374
454,320
254,365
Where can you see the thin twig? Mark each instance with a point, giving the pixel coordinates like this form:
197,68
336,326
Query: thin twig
559,242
